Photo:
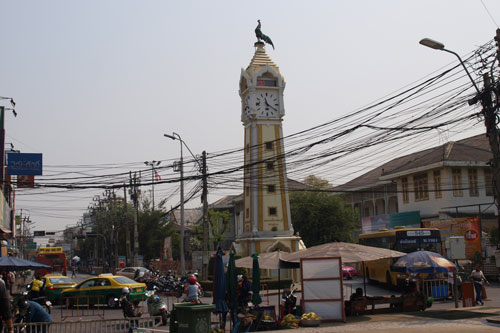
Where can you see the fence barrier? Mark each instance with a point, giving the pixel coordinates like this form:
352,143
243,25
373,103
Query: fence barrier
82,306
93,326
437,288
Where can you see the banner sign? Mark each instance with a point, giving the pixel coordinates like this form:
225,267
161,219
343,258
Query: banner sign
389,221
24,164
464,227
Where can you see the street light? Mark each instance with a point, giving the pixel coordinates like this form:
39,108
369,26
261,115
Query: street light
153,164
176,136
440,46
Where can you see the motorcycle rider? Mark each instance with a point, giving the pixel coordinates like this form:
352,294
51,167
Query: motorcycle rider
192,290
129,309
32,312
36,286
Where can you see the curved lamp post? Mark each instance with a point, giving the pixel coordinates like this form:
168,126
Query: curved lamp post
440,46
152,164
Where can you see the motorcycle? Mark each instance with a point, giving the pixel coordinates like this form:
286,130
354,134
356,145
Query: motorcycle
130,310
40,299
156,307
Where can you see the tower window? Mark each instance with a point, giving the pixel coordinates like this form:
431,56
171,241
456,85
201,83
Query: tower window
247,213
457,182
270,165
269,145
271,188
248,148
273,211
247,190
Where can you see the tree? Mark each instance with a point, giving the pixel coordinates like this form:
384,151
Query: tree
219,224
320,217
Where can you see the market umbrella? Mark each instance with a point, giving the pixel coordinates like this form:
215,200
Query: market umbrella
268,260
232,285
423,262
232,282
219,296
17,264
348,252
256,300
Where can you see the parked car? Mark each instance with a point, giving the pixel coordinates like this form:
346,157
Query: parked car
130,271
54,284
348,272
103,289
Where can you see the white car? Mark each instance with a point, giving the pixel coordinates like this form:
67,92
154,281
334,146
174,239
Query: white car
130,271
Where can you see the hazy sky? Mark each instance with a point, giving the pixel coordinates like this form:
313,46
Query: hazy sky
98,83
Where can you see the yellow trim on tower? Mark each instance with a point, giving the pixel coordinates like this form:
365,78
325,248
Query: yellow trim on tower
281,171
259,181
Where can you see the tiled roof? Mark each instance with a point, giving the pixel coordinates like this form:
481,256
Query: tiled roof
473,149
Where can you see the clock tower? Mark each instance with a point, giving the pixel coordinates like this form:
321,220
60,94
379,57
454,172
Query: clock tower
266,223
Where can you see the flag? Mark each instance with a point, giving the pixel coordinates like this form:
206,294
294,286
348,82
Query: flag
157,176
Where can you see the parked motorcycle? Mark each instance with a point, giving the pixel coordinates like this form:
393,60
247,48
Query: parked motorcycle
156,307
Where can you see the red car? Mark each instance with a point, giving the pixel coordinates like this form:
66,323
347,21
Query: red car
348,272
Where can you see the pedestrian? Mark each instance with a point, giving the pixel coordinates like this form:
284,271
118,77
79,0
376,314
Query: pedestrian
73,271
5,313
478,278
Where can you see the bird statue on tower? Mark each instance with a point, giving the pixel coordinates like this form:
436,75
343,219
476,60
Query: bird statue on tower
261,36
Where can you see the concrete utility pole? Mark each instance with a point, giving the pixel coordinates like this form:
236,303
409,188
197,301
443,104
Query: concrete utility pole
136,234
204,200
127,229
490,106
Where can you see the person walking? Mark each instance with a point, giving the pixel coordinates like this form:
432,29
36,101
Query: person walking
478,278
73,271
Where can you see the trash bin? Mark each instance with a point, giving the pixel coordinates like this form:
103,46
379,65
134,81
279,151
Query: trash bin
190,318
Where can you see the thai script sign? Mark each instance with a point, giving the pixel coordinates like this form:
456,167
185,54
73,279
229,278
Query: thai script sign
24,164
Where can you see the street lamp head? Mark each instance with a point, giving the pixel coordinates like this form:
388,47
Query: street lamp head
432,44
170,136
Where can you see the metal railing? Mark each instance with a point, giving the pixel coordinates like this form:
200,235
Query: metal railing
82,306
93,326
437,288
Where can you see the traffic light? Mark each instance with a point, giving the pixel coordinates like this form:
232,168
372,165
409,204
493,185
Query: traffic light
39,233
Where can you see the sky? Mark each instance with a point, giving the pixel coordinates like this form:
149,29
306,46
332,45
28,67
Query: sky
98,83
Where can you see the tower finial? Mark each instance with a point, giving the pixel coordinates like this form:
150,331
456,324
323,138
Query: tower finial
260,36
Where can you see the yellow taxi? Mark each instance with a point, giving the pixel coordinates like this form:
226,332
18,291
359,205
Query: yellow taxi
54,284
103,289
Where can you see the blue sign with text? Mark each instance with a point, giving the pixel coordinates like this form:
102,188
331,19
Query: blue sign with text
24,164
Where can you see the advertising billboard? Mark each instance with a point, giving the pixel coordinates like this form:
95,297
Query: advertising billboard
467,227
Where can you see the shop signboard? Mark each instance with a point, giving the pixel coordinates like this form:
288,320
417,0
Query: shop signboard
465,227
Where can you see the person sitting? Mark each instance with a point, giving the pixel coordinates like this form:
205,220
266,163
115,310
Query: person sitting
355,304
191,290
244,290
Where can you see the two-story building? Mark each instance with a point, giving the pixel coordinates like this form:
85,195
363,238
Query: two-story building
451,180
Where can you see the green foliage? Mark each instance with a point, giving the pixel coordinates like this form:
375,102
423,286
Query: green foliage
219,224
320,217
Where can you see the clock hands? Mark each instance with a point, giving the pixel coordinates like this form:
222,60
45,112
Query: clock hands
267,104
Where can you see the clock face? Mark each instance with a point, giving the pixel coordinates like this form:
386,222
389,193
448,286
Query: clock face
267,104
248,106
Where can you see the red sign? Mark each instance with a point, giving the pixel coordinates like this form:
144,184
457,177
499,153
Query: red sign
24,181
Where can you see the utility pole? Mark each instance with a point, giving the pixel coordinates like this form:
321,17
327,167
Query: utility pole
136,234
489,113
204,196
127,230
